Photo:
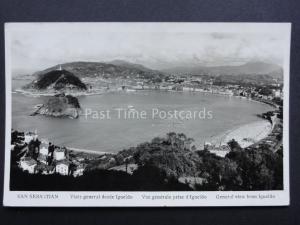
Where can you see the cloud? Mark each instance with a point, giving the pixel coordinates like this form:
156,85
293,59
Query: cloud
216,35
39,46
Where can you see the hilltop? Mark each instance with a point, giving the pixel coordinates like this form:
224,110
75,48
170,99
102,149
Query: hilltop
57,80
114,69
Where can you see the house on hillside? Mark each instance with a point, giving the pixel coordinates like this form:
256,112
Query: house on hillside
30,136
78,170
59,154
44,148
28,164
62,167
45,169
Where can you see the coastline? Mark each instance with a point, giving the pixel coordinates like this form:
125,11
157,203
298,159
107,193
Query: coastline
51,94
88,151
101,91
245,135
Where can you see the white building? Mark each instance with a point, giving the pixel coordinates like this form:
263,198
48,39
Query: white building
28,164
44,148
138,87
277,93
199,90
29,136
207,144
165,87
59,154
187,89
62,167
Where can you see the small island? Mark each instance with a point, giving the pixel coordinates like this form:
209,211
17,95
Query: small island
60,105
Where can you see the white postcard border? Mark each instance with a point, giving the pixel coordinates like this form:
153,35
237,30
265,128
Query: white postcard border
211,198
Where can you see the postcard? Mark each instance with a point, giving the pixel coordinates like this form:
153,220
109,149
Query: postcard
147,114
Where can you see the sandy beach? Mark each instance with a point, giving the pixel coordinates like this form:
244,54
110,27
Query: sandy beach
88,151
247,134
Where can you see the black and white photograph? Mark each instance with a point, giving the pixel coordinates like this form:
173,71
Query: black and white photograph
147,114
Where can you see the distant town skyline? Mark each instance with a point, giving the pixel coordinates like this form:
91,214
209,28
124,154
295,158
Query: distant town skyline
37,46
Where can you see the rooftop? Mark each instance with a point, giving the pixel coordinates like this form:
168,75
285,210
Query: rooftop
29,161
42,157
64,162
59,149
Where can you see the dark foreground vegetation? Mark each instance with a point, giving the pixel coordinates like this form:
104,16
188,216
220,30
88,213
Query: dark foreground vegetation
144,179
166,164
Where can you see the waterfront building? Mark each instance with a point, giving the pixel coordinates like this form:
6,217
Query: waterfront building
187,89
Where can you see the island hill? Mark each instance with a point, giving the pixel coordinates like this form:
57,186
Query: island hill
57,80
64,84
87,78
60,105
113,69
60,84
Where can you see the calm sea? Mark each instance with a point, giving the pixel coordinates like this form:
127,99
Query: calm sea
115,134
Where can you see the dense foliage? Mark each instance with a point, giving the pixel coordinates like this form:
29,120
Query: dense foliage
58,78
109,70
144,179
163,162
241,169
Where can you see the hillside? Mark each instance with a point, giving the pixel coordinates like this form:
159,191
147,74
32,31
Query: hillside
57,80
124,63
253,79
120,68
258,68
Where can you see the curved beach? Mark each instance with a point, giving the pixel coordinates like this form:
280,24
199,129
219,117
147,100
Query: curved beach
247,134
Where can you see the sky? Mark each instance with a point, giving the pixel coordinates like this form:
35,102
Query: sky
37,46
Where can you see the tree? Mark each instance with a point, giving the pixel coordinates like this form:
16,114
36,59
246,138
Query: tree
234,145
171,136
265,91
260,169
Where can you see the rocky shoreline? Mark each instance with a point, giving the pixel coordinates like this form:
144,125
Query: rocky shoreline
60,106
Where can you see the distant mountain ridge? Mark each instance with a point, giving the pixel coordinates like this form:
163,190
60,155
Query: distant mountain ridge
258,68
124,63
